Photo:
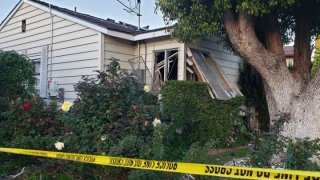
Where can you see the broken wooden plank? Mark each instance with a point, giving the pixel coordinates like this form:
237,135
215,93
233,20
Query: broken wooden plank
190,63
200,76
212,75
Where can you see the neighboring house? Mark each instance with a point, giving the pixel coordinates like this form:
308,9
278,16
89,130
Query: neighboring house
289,54
65,45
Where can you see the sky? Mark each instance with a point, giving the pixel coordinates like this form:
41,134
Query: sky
102,9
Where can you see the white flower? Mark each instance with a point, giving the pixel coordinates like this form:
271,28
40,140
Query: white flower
103,138
66,106
155,122
285,150
146,88
59,145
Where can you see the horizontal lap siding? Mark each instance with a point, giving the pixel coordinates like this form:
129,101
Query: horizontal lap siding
147,52
228,62
75,47
125,50
119,49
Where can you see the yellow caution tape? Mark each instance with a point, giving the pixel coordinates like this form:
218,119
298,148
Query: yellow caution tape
175,167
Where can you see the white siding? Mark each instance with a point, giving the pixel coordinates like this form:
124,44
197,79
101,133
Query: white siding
228,62
75,50
119,49
148,50
125,50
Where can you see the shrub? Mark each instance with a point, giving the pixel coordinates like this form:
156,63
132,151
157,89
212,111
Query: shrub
252,88
35,127
110,107
272,151
316,62
196,117
16,78
112,116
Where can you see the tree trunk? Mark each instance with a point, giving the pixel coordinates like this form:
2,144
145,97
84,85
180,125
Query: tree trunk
286,93
302,48
305,114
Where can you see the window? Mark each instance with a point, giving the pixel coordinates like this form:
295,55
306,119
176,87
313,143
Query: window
23,26
40,63
168,58
36,69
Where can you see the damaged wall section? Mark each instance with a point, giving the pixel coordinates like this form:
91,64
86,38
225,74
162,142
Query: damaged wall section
210,73
166,67
226,61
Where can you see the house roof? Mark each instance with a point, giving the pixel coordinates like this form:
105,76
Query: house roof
288,51
106,23
107,26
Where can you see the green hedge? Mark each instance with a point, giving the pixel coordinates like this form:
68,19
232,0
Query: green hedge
196,117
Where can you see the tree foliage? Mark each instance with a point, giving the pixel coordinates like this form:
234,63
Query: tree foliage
198,18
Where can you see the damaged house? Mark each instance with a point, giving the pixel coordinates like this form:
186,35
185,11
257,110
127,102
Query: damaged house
65,44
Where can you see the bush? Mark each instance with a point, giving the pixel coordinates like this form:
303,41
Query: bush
274,151
113,115
16,79
196,117
252,88
35,127
110,107
315,62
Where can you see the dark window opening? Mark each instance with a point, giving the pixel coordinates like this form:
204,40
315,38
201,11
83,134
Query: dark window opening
173,65
171,57
24,26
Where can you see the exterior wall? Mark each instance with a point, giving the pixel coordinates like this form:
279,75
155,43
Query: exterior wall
125,50
228,62
75,48
119,49
147,51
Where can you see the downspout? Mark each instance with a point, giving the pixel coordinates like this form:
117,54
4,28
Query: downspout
51,47
139,11
139,55
145,63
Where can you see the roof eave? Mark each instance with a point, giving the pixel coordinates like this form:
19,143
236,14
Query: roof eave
118,34
68,17
150,35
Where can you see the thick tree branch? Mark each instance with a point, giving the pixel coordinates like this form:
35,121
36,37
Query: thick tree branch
241,33
269,63
272,34
302,48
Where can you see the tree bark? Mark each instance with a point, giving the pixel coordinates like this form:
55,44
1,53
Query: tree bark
273,37
302,48
305,120
273,43
287,93
270,65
